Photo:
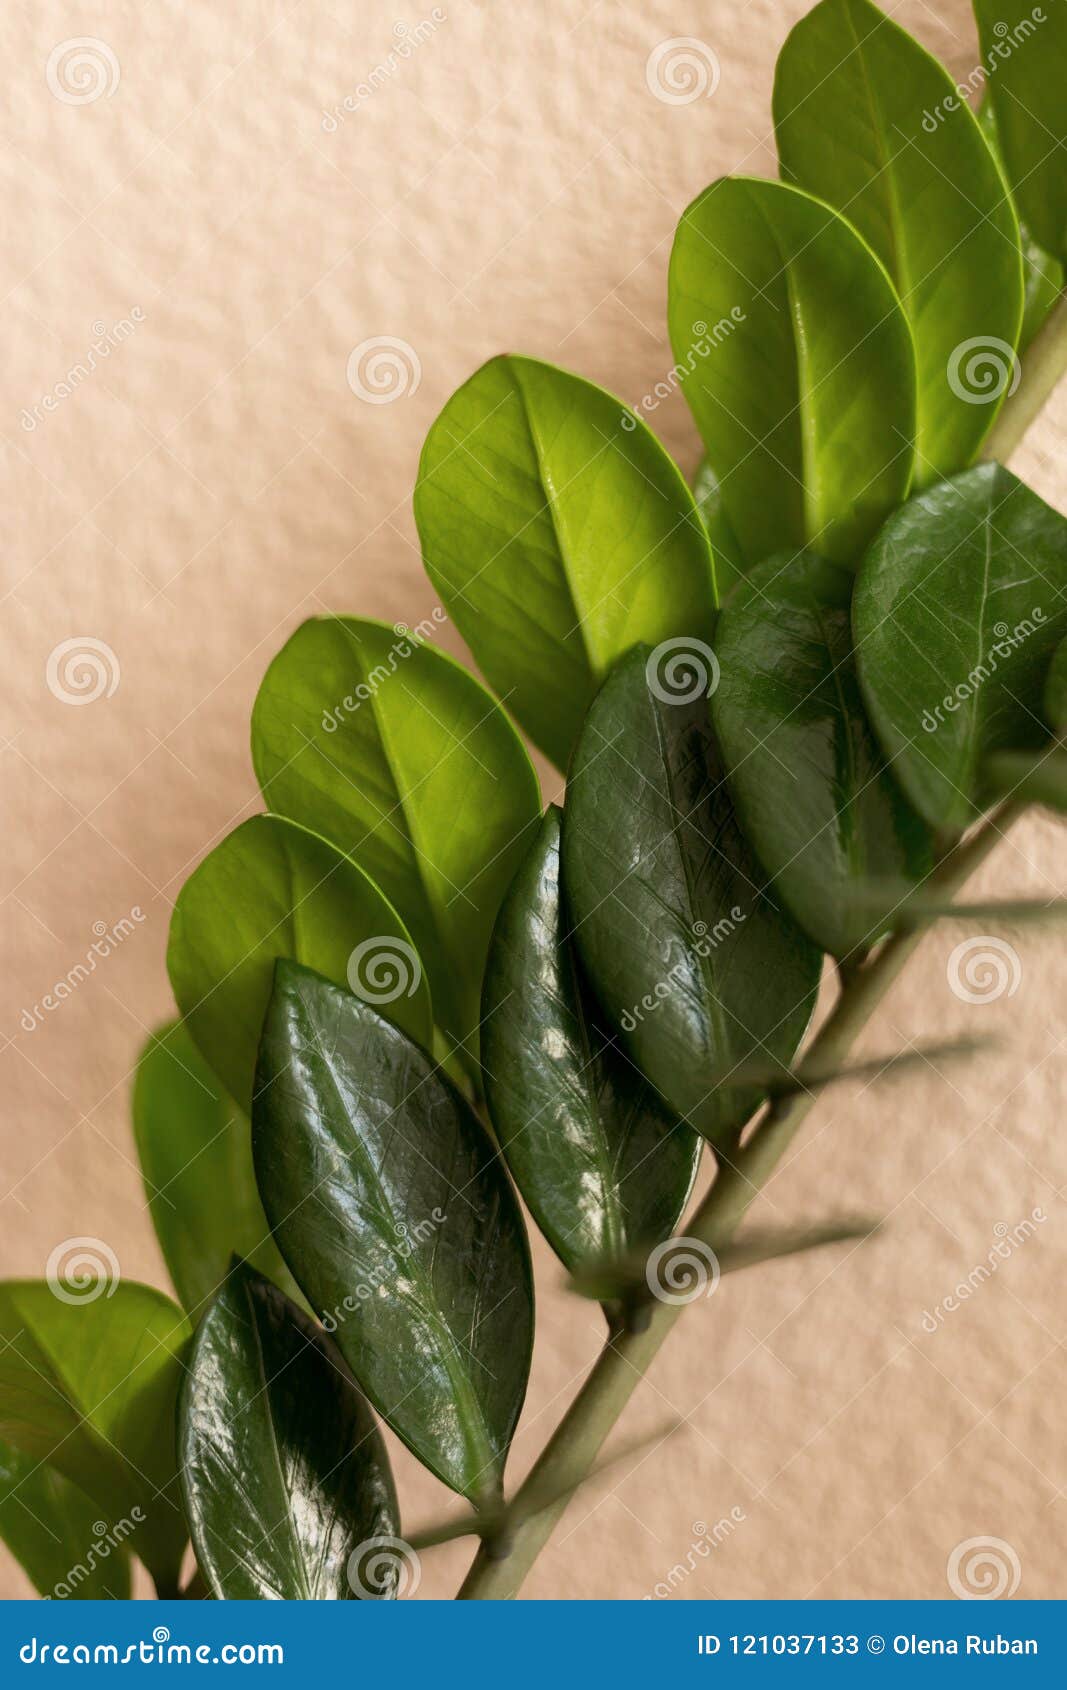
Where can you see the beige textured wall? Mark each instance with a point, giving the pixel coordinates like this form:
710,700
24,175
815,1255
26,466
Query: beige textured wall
514,185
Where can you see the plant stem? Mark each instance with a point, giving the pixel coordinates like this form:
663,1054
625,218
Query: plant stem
568,1457
1044,363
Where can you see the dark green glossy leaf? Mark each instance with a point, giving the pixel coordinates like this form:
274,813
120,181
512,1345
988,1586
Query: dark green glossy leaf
600,1162
89,1374
1055,695
1042,274
57,1535
1026,60
1033,778
866,119
558,533
811,790
960,604
390,1204
284,1472
273,889
807,407
394,752
195,1150
690,955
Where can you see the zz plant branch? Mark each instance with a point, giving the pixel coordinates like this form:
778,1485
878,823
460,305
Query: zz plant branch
796,706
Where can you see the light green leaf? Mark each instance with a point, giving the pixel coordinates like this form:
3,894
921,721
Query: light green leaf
391,1206
866,119
89,1376
195,1150
603,1166
807,408
1026,61
1042,274
273,889
729,559
57,1535
690,956
812,792
959,606
558,533
398,755
284,1473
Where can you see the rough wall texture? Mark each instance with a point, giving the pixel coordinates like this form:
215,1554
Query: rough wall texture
510,184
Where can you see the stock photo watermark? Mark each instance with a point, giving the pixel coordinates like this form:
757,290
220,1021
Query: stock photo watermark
703,345
1007,1241
983,1569
82,70
681,70
408,39
408,639
705,1539
81,670
983,969
1007,641
382,369
1008,39
106,338
106,942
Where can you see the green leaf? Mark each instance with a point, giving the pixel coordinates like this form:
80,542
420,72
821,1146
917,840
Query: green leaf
195,1150
1042,274
807,409
1036,778
689,954
959,606
866,119
729,558
390,1204
89,1375
273,889
812,792
1054,700
56,1534
284,1472
394,752
600,1162
1025,60
558,533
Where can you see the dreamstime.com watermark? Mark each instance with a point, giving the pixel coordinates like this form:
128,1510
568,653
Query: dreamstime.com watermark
1007,1240
681,670
1007,641
107,1541
983,969
104,342
384,1566
983,369
706,940
1008,39
983,1569
158,1650
82,1270
82,70
705,1539
81,670
384,968
681,1270
704,342
409,37
681,70
105,944
408,1235
407,641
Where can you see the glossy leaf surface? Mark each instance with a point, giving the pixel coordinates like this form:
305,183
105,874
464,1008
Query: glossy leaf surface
1054,698
811,789
273,889
195,1150
1025,59
57,1535
959,607
691,957
558,533
806,404
869,121
391,1207
603,1166
89,1381
284,1472
398,755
